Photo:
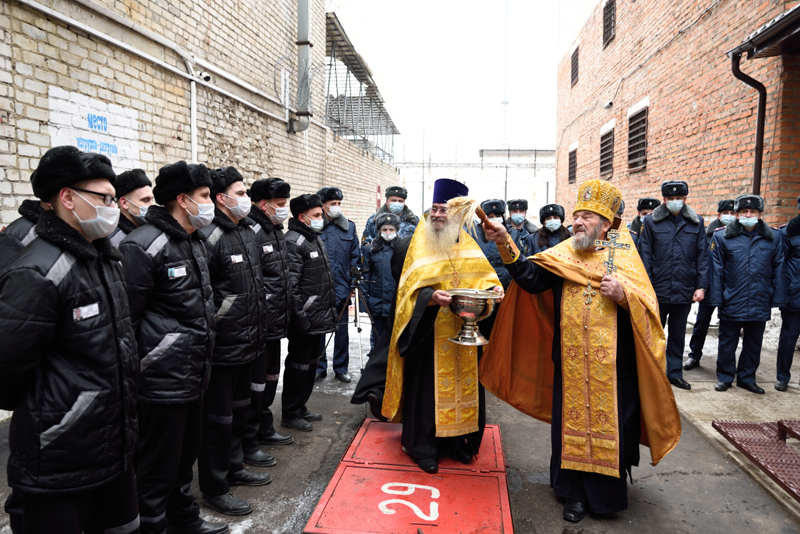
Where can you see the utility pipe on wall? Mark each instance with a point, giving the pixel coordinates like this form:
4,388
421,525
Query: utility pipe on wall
192,109
760,118
303,113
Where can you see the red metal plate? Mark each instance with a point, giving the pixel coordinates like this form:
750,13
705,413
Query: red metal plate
370,499
379,443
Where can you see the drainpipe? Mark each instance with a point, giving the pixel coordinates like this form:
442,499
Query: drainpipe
192,109
760,118
303,119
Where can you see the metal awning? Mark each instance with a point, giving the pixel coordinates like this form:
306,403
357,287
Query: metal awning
781,35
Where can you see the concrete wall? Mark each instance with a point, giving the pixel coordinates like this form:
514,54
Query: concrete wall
60,85
702,120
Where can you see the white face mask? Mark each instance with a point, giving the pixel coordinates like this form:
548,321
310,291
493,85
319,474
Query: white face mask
496,220
280,214
242,207
553,224
316,225
389,237
102,225
142,212
334,211
205,214
748,222
727,219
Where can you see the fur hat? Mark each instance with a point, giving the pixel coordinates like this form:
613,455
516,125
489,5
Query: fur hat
304,203
269,188
674,188
748,202
330,193
518,204
387,219
494,206
177,178
396,191
224,177
725,205
551,209
129,180
63,166
647,203
621,209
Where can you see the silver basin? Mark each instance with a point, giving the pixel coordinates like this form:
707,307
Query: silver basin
471,305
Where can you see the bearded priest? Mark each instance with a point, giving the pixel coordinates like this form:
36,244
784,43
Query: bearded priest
584,350
432,384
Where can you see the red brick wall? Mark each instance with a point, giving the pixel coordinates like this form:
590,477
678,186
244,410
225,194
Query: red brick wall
702,121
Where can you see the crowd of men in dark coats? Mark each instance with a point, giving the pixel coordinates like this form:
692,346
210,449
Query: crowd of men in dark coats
143,324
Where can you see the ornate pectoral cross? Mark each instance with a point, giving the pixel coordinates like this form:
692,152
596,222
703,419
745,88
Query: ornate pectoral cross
611,244
589,293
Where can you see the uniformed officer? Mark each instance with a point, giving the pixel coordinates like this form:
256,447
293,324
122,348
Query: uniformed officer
644,208
518,225
747,281
790,311
395,203
495,211
552,231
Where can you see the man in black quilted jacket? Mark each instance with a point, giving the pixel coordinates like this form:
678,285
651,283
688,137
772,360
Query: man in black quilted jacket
68,368
240,301
313,309
172,308
270,208
20,232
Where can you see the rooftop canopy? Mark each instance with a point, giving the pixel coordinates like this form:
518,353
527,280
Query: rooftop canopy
778,36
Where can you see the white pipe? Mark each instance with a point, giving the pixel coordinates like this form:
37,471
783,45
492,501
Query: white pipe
193,111
303,61
83,27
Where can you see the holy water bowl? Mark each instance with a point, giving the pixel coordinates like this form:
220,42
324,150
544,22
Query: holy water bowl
471,305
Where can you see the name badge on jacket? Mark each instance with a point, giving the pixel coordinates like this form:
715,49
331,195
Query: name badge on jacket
176,272
237,258
268,249
313,254
85,312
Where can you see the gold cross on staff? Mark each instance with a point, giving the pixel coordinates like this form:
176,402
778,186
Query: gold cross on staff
611,244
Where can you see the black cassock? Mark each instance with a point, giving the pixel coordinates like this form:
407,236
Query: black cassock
602,493
416,347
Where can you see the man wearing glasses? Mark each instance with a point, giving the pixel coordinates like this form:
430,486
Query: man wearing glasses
69,366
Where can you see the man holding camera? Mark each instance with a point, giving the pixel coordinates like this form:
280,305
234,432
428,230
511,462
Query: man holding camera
341,243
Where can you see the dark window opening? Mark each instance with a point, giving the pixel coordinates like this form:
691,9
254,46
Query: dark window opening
607,153
575,67
637,140
609,21
573,165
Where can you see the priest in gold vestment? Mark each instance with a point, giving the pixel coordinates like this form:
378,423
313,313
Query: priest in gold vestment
432,385
584,350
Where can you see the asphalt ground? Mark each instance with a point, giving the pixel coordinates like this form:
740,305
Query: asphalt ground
694,489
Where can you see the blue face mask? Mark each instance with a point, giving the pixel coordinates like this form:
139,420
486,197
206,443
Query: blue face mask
517,218
748,222
674,206
396,207
316,224
727,219
553,224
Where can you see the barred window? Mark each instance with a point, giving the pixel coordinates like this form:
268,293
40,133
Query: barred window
575,66
607,153
637,140
573,165
609,21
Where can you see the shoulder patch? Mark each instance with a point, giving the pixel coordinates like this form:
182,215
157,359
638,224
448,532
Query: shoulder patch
713,245
720,228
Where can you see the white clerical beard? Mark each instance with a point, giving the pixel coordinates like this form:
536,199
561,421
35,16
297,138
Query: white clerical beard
586,241
440,242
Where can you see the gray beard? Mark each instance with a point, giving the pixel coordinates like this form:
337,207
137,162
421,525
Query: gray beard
440,242
585,242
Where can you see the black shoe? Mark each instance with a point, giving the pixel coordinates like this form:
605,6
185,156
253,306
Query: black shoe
375,407
429,465
574,511
320,376
227,504
691,363
311,416
722,386
678,383
274,438
752,388
343,377
259,458
462,456
200,527
298,424
248,478
781,386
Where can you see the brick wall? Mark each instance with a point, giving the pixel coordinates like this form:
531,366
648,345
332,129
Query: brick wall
702,120
60,85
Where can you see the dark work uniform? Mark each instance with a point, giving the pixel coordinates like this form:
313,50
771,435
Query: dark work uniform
124,228
172,307
240,300
704,310
790,312
602,493
380,287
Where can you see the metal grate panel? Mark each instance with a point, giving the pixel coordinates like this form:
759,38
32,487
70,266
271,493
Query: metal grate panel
575,66
607,153
637,140
573,166
609,21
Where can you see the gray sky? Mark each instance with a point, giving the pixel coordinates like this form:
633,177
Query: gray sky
439,67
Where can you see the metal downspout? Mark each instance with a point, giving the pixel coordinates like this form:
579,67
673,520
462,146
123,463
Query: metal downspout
760,118
303,113
192,110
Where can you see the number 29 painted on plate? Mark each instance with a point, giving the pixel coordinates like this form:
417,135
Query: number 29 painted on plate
408,490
